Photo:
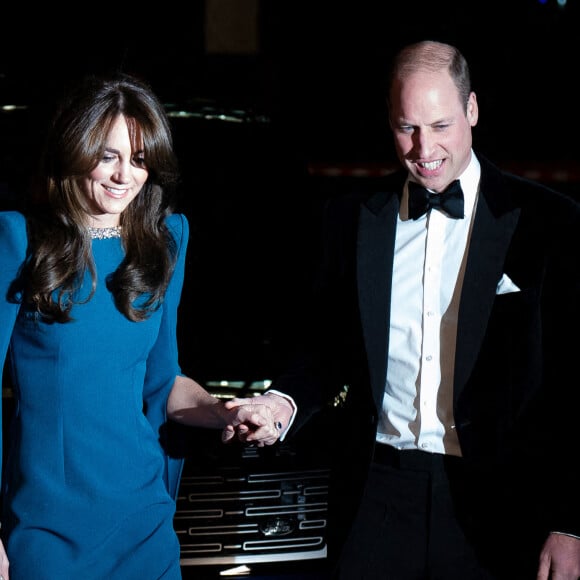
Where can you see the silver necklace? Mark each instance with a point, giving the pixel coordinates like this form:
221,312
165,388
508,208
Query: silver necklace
105,233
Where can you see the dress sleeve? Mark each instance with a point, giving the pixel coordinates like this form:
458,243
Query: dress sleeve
163,360
13,243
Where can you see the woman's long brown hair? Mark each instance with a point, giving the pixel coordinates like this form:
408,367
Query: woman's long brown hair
59,244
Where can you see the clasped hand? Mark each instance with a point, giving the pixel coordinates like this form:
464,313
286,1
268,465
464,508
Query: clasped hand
258,420
250,422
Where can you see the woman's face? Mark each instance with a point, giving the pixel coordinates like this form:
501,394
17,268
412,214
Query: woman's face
118,178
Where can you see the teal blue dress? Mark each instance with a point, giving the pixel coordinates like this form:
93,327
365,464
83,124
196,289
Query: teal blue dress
88,492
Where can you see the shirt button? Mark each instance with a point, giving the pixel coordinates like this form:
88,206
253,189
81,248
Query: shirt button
428,357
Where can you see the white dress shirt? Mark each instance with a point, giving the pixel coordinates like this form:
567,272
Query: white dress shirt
429,264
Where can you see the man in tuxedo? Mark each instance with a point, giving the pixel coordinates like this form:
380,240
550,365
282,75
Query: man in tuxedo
442,345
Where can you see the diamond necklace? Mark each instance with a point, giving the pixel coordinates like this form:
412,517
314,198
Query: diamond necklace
105,233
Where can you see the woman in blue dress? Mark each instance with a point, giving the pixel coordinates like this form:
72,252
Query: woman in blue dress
90,284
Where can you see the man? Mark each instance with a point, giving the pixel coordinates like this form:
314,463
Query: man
443,341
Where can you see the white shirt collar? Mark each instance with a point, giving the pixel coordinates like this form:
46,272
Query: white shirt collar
469,180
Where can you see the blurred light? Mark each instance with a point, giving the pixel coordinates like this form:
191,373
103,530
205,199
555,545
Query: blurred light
261,384
10,108
208,111
235,571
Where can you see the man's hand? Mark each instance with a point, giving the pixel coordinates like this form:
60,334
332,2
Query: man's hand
250,422
280,412
4,563
560,558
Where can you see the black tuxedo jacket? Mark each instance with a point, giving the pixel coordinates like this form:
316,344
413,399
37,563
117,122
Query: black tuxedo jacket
516,386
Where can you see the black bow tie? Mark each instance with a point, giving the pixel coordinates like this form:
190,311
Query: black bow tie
421,200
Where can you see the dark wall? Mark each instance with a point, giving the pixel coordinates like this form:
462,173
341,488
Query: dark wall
319,70
314,92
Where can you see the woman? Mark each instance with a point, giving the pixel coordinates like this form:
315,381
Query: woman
90,286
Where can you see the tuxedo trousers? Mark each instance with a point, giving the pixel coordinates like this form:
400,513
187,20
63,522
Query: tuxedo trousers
408,526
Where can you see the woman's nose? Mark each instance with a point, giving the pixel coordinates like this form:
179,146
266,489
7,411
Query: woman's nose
122,173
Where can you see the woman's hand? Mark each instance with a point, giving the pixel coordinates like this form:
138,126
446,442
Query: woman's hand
280,410
250,422
258,420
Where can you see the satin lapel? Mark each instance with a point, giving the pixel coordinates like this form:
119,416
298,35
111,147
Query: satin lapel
376,241
494,224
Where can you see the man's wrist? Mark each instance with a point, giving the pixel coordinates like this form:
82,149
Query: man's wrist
566,534
287,402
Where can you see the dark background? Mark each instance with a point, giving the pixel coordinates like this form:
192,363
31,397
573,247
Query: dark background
280,94
285,103
316,66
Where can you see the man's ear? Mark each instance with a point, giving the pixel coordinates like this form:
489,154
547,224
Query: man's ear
472,109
